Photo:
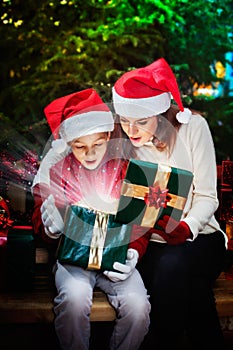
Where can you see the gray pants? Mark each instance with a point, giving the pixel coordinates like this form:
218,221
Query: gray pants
73,306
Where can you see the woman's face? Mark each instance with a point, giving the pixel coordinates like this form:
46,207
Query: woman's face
139,131
90,150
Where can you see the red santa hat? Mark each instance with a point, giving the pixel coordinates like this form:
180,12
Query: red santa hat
79,114
147,91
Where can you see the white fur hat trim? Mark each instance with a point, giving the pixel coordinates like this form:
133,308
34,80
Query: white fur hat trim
141,107
184,117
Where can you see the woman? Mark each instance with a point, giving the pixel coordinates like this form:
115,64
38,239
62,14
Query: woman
184,258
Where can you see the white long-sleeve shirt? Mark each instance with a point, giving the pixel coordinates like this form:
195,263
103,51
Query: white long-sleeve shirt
193,151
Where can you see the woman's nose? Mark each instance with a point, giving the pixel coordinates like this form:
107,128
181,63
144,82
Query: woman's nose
132,129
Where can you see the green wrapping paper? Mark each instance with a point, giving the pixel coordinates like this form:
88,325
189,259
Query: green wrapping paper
150,191
92,239
20,258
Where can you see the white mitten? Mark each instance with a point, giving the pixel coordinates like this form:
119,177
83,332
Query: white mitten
51,218
125,270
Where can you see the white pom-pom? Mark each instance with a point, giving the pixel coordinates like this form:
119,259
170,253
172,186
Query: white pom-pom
184,117
59,145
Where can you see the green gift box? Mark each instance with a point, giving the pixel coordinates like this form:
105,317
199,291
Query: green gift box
20,258
150,191
93,239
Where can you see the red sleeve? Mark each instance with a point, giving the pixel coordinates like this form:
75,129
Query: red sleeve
140,239
38,200
124,169
40,192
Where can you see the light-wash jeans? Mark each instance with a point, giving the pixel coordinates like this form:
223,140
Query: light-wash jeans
73,306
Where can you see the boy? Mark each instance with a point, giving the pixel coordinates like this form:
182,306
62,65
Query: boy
89,174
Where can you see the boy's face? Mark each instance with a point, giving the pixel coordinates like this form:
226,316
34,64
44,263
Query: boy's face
89,150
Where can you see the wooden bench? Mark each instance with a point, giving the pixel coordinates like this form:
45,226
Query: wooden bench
36,306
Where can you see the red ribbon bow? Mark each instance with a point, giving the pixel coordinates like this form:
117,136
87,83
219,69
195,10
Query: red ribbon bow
156,197
5,222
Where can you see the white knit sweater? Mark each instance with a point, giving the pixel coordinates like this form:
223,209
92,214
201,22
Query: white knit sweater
193,151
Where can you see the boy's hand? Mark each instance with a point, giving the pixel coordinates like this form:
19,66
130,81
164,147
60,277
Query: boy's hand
51,218
125,270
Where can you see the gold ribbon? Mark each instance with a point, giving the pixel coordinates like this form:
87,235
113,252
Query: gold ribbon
97,241
138,191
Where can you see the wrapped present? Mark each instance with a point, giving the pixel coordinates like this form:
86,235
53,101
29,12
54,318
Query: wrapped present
225,209
150,191
92,239
3,240
229,233
229,254
5,224
20,262
227,173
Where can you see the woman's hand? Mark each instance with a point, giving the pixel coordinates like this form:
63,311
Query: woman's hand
173,232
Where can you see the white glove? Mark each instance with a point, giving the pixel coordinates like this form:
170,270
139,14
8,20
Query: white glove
51,218
125,269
